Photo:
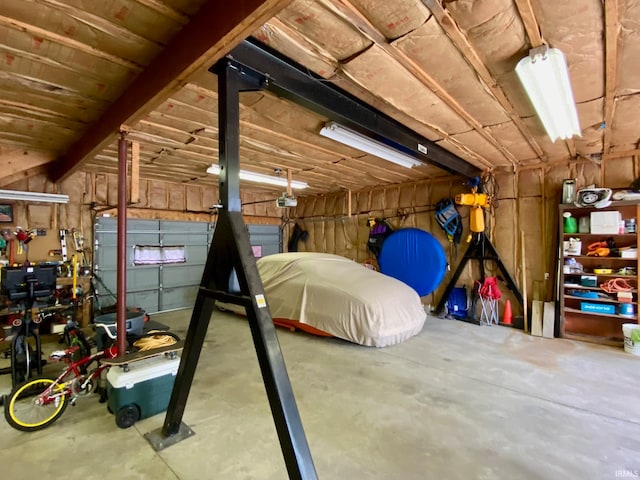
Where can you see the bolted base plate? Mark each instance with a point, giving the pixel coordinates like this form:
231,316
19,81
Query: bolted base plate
159,441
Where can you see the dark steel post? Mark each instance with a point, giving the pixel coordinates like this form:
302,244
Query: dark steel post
121,290
231,250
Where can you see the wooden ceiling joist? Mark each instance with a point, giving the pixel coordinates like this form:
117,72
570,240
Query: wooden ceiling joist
612,27
467,50
531,26
346,9
525,9
212,32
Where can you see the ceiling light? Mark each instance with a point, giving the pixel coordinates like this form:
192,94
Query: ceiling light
33,196
373,147
545,77
260,178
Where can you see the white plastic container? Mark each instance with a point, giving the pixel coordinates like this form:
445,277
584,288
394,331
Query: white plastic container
607,223
629,345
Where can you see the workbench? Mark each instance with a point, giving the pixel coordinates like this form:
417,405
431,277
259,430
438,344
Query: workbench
83,314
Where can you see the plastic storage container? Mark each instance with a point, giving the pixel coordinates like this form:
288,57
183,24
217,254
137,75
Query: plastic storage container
598,308
631,332
134,325
143,390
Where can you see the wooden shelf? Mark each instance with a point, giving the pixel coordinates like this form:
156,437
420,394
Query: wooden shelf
590,257
600,275
630,236
612,342
65,281
609,315
584,299
577,324
581,287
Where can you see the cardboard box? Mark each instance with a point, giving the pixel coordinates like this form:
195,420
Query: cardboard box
598,308
605,222
571,247
625,297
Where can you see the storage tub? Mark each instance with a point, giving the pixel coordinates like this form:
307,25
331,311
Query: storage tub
598,308
631,332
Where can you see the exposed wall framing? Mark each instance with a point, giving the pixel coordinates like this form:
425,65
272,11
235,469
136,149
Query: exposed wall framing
527,201
93,194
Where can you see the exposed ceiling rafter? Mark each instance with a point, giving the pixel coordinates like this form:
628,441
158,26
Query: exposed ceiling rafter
212,32
531,26
612,28
467,50
346,9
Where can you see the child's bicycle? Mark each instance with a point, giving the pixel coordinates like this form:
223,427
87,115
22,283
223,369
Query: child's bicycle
39,402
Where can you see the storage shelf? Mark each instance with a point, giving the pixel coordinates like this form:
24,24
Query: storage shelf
582,287
582,337
614,235
584,299
65,281
609,315
597,326
589,257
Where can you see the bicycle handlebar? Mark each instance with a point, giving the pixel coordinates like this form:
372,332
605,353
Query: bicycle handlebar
107,329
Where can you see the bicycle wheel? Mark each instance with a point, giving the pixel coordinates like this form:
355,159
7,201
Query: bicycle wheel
23,410
21,355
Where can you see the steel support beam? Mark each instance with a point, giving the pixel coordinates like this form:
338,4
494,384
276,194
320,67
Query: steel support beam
287,79
231,252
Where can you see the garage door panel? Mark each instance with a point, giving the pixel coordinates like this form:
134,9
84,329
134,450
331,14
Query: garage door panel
173,298
200,239
181,275
197,255
148,300
107,280
181,228
267,237
104,253
143,278
171,286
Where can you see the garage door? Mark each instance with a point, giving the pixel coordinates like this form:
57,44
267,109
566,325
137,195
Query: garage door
165,259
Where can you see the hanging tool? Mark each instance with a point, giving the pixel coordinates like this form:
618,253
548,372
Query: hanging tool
63,245
78,241
74,291
481,248
478,203
604,249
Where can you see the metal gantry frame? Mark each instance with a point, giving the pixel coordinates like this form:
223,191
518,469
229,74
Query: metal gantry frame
480,249
230,253
250,67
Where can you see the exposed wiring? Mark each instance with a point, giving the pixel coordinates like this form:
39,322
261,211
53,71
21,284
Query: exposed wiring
491,188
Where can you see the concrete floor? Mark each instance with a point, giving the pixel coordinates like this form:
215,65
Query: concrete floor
456,402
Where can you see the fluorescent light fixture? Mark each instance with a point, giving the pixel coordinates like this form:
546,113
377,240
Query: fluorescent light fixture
373,147
260,178
33,196
545,77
